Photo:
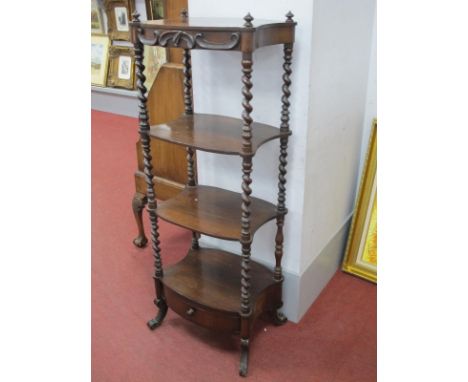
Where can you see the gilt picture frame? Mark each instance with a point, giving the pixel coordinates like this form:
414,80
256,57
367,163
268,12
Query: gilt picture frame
121,67
154,58
119,14
99,59
361,251
155,9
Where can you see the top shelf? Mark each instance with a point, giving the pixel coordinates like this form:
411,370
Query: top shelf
217,24
238,34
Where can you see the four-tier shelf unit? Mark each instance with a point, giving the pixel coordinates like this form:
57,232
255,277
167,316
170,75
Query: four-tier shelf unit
211,287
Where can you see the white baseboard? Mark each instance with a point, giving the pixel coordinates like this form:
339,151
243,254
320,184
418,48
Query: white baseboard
117,101
300,291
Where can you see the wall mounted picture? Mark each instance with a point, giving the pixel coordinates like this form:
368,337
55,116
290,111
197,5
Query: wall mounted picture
99,59
121,18
121,67
155,9
154,58
361,252
119,13
97,25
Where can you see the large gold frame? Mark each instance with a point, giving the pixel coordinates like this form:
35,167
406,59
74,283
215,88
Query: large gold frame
100,79
364,205
113,79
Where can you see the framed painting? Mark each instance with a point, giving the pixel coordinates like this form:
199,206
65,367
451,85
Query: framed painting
361,251
97,25
154,58
99,59
155,9
121,67
119,13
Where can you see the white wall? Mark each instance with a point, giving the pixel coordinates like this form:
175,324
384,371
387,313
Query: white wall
339,65
217,89
329,87
371,98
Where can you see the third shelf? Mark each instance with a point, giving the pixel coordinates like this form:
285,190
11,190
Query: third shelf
214,211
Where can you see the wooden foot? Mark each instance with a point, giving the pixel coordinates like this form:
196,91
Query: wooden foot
244,358
278,318
158,320
138,204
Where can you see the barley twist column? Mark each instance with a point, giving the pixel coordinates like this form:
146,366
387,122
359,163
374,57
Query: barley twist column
148,170
281,206
188,102
246,236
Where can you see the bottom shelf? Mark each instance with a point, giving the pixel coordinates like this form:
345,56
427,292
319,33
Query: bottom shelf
205,288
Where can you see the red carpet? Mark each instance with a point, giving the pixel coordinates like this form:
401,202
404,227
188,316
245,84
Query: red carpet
334,342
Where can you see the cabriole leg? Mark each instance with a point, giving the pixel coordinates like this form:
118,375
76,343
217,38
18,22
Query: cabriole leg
162,307
138,204
244,356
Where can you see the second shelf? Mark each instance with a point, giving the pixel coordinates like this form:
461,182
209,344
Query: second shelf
214,133
214,211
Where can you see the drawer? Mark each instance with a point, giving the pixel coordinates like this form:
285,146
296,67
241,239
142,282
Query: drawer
202,315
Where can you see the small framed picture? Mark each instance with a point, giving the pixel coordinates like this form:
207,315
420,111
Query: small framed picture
99,59
97,26
361,251
121,67
119,13
155,9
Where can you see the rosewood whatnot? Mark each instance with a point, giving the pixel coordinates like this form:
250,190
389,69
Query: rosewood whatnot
210,287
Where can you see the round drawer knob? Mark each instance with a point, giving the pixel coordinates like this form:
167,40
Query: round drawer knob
190,311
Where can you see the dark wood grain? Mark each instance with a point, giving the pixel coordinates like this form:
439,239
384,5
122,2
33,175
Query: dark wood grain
213,211
214,133
210,23
215,34
210,277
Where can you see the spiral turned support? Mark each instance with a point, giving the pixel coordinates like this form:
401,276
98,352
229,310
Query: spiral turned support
144,129
281,206
190,167
188,98
246,236
188,103
191,182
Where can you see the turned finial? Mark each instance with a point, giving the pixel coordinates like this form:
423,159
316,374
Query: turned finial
184,14
135,17
289,17
248,20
